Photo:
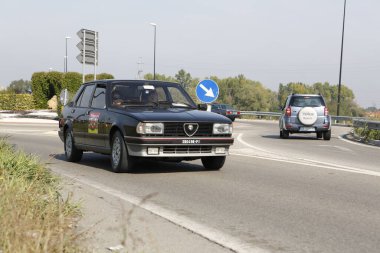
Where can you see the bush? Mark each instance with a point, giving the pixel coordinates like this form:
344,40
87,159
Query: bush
40,89
367,134
71,81
101,76
47,84
16,102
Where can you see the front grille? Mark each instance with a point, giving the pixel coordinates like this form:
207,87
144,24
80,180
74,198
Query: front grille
176,129
187,149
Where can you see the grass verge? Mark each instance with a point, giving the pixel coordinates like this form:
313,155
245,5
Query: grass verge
34,217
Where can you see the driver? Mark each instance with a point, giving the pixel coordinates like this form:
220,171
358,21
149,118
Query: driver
116,98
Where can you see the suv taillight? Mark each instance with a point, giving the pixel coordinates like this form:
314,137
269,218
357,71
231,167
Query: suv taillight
326,111
288,111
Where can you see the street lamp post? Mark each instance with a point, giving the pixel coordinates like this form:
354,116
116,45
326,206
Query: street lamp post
341,60
65,62
154,53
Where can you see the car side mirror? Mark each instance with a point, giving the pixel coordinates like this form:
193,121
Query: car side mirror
202,107
281,108
70,104
64,97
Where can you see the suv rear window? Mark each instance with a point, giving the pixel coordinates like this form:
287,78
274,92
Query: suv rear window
307,101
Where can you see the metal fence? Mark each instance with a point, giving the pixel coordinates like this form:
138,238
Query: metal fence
370,124
337,120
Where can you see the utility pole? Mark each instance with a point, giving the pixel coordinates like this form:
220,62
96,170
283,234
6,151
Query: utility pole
341,60
140,66
65,61
154,51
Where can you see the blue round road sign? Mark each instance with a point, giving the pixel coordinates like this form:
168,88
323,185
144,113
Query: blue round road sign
207,91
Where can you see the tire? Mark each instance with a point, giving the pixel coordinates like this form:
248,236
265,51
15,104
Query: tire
120,160
72,153
285,134
233,119
281,134
213,162
319,135
327,135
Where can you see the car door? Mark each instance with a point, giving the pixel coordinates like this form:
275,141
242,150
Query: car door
80,115
97,113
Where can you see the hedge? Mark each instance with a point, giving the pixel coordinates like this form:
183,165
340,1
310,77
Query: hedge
16,102
47,84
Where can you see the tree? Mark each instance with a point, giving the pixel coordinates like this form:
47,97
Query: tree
330,92
159,77
19,86
183,78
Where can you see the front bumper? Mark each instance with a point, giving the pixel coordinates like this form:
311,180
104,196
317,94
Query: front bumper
178,147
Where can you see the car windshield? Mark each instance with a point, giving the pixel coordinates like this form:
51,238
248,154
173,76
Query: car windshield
131,94
306,101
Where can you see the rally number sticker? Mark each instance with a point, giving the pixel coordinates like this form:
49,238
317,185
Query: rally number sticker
93,123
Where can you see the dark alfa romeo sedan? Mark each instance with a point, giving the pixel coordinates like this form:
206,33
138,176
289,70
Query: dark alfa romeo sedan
134,120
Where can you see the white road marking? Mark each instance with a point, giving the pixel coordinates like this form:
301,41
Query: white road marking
212,234
302,161
240,139
30,132
337,147
320,165
356,143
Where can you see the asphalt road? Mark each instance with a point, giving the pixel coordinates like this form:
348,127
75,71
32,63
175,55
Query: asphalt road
272,195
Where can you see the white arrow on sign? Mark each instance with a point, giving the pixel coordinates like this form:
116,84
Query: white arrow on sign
90,35
209,92
90,47
90,59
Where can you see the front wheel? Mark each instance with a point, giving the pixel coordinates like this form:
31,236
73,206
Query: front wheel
213,162
120,160
72,153
327,135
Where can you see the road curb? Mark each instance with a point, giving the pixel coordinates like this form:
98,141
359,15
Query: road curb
355,138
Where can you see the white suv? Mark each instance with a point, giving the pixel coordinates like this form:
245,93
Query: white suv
305,113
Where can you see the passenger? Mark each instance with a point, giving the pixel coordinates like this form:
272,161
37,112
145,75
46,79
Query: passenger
149,97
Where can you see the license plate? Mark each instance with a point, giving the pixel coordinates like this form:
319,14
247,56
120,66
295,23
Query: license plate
191,141
307,129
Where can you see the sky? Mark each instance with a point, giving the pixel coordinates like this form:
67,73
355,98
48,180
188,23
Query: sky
271,41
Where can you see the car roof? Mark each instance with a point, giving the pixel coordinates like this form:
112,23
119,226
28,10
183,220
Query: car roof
110,81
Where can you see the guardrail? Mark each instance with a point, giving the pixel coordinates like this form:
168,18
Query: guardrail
370,124
337,120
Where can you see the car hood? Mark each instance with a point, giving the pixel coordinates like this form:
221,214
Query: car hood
175,115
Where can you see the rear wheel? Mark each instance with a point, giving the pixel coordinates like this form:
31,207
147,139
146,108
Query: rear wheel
285,134
213,162
327,135
319,135
120,160
72,153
